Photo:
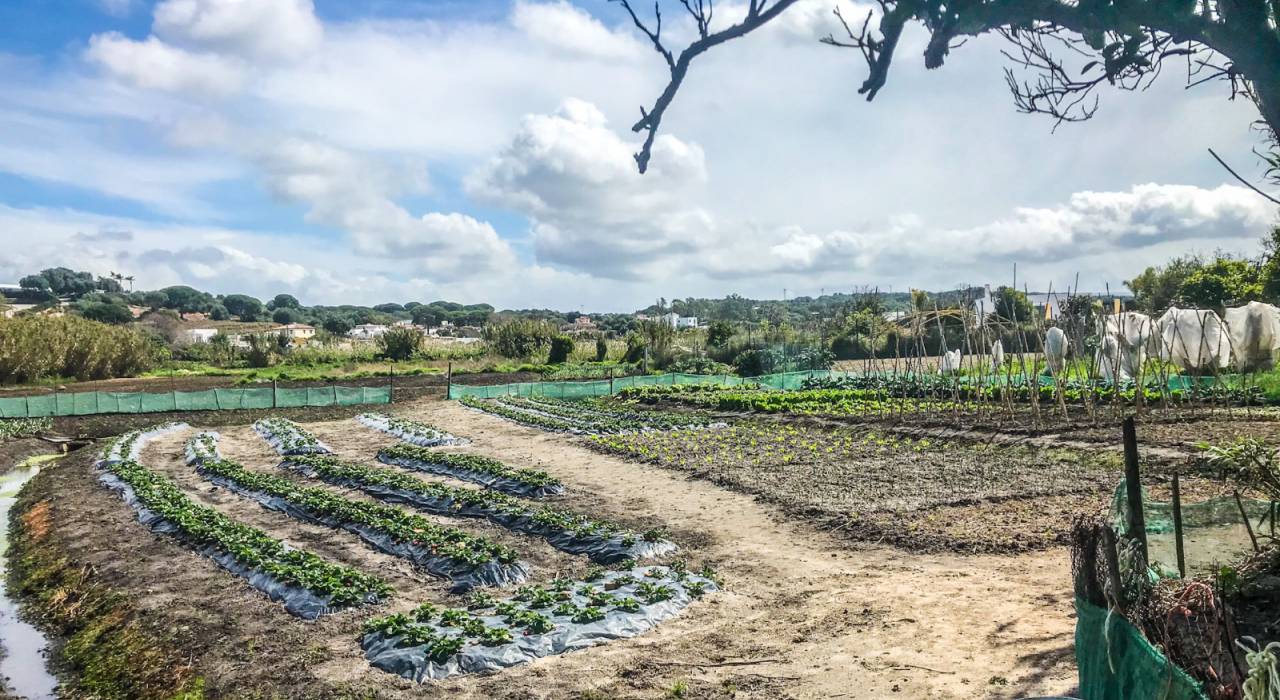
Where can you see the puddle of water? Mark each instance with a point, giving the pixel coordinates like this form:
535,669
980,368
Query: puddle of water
25,648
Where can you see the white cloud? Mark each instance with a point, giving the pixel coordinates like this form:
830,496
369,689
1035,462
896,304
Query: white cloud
116,8
254,28
567,28
591,209
155,65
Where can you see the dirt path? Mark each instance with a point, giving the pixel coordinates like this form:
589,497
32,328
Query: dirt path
818,616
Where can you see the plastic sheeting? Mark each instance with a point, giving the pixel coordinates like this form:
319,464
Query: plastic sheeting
1254,330
428,438
412,662
997,356
278,444
464,576
951,361
1055,350
1194,339
490,481
603,550
298,601
115,454
1134,335
198,448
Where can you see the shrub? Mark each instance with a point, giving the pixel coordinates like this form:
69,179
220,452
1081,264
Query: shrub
757,361
700,365
602,348
813,358
561,349
518,338
38,347
399,343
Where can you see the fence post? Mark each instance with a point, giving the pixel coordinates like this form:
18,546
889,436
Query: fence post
274,391
391,393
611,381
1137,523
448,382
26,404
1177,526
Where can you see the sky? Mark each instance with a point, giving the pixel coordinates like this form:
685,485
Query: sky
365,151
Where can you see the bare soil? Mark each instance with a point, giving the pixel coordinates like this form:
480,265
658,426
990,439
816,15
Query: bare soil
805,612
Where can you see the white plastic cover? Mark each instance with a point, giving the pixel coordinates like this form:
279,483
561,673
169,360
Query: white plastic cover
997,356
951,361
1110,360
1254,330
1194,339
1055,349
1136,336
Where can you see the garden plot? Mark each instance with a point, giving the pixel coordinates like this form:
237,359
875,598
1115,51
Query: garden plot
466,560
586,416
603,542
490,635
921,493
288,438
488,472
412,432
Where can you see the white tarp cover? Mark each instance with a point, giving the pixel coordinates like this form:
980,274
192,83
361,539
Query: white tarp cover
1110,360
1194,339
1055,349
997,355
951,361
1254,330
1135,335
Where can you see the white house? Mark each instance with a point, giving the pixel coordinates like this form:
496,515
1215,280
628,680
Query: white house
296,331
675,320
199,335
367,331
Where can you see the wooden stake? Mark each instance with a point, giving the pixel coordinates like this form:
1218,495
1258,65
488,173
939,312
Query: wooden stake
1137,523
448,381
1248,526
1177,526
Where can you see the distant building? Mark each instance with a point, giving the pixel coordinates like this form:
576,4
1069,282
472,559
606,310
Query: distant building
675,320
367,331
199,335
583,322
296,331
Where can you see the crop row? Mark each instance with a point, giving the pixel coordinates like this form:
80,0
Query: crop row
242,549
852,402
443,551
564,416
486,471
409,431
577,534
288,438
13,428
488,635
596,411
1018,389
128,446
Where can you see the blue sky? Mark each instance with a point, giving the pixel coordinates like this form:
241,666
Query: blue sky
373,151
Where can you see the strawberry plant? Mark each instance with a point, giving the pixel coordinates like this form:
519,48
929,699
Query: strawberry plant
203,527
288,438
462,465
412,432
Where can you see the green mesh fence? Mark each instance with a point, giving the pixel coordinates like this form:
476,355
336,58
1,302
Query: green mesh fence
94,402
1116,662
604,387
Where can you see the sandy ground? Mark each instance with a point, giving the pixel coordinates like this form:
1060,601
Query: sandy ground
805,614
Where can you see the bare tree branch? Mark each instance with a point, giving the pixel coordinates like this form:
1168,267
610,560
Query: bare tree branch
1118,43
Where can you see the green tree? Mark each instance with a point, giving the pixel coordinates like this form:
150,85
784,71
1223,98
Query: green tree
399,343
1269,274
602,348
518,338
284,315
1011,304
219,312
336,325
719,333
561,348
186,300
1225,281
244,307
115,314
284,301
1157,288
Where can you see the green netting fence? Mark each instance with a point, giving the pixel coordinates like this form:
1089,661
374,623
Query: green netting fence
87,403
605,387
1116,662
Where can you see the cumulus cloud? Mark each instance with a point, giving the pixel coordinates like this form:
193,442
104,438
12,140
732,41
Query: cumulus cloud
155,65
263,29
591,210
562,26
356,195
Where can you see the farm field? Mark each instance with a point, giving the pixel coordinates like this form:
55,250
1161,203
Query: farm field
806,608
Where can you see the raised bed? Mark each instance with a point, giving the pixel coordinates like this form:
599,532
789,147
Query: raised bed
307,585
288,438
431,643
409,431
466,560
128,446
570,532
490,473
